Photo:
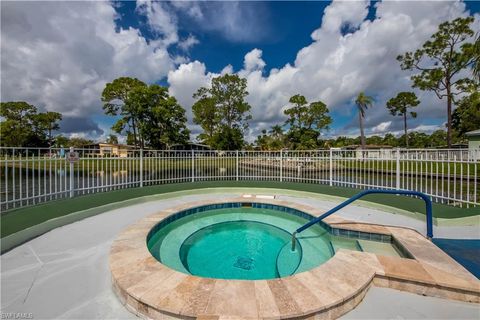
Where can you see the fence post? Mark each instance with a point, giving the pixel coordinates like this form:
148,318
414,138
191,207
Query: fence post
331,168
72,177
141,168
397,185
236,165
281,165
193,165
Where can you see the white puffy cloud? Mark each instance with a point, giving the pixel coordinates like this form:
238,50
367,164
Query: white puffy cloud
382,127
188,77
343,13
253,60
337,65
348,54
59,55
161,22
228,69
185,81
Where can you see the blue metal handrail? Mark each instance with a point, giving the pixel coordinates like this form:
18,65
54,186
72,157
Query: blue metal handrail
428,209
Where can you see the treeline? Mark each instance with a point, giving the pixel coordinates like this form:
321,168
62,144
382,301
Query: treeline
147,114
149,117
276,139
22,125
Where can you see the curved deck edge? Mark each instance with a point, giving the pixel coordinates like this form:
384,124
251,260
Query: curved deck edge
154,291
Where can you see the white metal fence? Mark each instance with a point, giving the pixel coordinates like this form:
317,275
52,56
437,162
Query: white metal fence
33,175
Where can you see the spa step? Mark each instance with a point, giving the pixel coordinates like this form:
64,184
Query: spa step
340,243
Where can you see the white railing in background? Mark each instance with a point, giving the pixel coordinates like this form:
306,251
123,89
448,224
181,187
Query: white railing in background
34,175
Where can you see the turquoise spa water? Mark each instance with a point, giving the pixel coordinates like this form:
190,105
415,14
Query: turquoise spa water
249,243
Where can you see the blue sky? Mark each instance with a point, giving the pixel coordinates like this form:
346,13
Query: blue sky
311,48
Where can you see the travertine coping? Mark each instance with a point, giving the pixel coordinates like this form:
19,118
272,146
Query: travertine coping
153,290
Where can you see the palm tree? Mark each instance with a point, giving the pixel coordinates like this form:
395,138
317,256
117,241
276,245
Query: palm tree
112,139
363,102
276,130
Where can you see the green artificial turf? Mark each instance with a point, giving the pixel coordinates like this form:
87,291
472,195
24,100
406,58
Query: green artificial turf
19,219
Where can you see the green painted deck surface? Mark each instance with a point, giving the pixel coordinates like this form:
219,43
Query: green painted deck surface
19,219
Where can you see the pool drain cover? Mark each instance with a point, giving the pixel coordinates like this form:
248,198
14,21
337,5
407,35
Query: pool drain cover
244,263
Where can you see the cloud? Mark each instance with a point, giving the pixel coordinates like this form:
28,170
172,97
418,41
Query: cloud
192,9
71,125
185,81
187,43
161,22
381,127
228,69
235,21
253,60
59,55
343,13
336,66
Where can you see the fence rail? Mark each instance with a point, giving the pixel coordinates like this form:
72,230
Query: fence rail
34,175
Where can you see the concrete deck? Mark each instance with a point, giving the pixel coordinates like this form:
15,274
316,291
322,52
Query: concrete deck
154,291
65,273
385,303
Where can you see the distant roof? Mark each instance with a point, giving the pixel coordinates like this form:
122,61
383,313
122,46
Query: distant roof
110,145
369,146
473,133
190,143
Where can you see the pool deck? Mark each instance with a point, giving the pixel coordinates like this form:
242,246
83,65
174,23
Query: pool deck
65,273
153,290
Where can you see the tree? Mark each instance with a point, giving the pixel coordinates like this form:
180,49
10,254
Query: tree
248,146
417,139
305,121
204,114
271,140
23,126
112,139
229,92
161,120
343,141
130,140
400,105
115,98
262,140
61,141
440,62
476,54
276,131
363,102
78,142
436,139
48,122
228,138
390,140
374,140
277,140
222,111
466,116
16,129
309,116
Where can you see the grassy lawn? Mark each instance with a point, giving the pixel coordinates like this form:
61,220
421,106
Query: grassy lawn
115,164
339,164
20,219
411,167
